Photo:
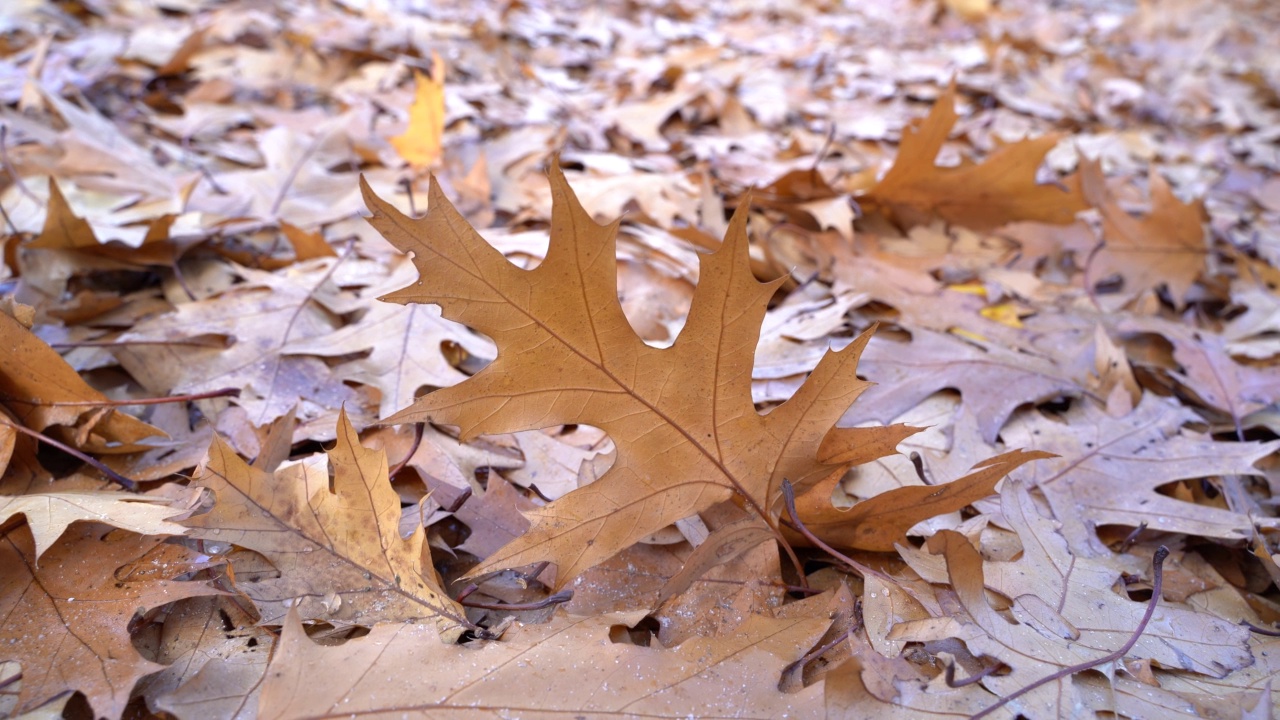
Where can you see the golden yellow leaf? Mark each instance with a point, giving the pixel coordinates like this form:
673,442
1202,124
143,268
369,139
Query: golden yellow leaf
421,143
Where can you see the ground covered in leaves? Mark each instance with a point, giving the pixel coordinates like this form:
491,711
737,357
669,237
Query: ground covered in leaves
266,455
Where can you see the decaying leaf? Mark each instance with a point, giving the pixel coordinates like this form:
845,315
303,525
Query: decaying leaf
682,418
565,667
338,551
67,621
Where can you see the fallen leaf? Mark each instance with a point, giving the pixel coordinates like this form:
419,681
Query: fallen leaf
1208,370
1072,599
1141,452
1002,189
50,514
404,353
882,522
67,622
567,666
682,418
42,390
211,671
1166,247
906,373
338,551
421,144
259,318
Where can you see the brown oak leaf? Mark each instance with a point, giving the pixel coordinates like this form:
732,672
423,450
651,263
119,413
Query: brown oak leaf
1002,189
687,433
339,552
1167,246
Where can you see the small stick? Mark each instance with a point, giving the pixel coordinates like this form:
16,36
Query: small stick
111,474
952,682
1269,632
224,392
1157,572
819,652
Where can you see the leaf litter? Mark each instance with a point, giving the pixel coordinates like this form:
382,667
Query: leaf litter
908,359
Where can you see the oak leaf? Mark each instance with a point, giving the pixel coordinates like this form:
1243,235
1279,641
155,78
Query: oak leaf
339,552
881,522
682,418
421,142
401,348
67,621
257,320
42,391
1071,601
906,374
567,667
1167,246
1002,189
50,514
1140,452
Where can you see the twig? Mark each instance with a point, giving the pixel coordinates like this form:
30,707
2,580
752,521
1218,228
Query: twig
224,392
8,166
111,474
560,597
1269,632
917,462
1132,538
819,652
1157,572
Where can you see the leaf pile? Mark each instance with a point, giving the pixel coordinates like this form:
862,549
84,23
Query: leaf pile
903,360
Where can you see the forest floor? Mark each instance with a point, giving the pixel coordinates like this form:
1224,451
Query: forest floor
1062,221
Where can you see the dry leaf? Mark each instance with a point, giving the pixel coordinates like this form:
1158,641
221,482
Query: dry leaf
421,143
682,418
565,667
1002,189
42,390
68,621
906,374
882,522
1072,600
1141,452
338,551
1167,246
50,514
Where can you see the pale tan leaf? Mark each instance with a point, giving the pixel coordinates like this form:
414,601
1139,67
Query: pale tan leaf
50,514
567,666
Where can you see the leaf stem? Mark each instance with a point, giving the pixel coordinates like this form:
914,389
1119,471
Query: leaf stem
1157,581
789,495
97,464
224,392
